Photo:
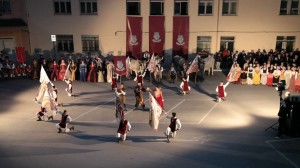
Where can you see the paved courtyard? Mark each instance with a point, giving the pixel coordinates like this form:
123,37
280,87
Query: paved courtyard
225,134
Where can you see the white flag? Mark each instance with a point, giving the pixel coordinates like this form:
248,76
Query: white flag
43,76
128,67
194,66
67,74
151,64
155,112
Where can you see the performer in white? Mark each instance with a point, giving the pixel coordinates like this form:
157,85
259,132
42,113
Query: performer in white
64,122
124,128
69,87
158,73
174,126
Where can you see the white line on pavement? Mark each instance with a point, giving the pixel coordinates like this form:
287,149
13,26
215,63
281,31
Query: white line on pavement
93,109
202,119
281,154
161,117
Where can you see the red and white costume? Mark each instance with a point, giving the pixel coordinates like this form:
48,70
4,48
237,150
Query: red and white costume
113,83
69,87
185,86
221,91
124,128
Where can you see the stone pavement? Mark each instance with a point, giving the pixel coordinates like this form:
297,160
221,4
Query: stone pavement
225,134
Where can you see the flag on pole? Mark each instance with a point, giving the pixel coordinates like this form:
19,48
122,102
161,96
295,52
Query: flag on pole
68,73
155,112
151,64
229,77
128,67
194,66
43,76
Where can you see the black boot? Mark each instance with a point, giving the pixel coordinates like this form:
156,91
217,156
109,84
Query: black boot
39,119
51,117
143,106
59,130
125,107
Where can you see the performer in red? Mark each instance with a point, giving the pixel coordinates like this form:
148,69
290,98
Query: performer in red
139,78
114,82
92,77
174,126
124,128
29,71
139,96
64,122
62,70
23,69
54,71
158,96
18,71
221,91
185,85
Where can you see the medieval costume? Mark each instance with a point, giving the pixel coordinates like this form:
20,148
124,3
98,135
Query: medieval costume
287,77
292,81
35,68
276,75
244,74
114,82
250,75
158,96
174,126
41,114
64,122
55,71
172,74
121,92
139,78
82,70
270,76
73,69
69,87
110,70
221,91
18,71
29,71
158,73
99,70
124,128
23,69
92,76
62,70
236,75
185,85
256,76
139,96
264,75
297,81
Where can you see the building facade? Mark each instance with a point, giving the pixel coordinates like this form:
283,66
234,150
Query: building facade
14,30
84,26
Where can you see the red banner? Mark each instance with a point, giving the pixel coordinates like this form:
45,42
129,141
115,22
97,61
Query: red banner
181,36
134,35
120,65
156,34
21,54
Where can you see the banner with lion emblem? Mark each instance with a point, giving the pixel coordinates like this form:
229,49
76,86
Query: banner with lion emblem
181,35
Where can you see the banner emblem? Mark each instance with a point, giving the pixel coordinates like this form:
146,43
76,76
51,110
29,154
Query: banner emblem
120,66
156,37
133,40
180,40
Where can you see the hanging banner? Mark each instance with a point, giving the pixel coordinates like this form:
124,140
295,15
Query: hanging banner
120,65
21,54
134,35
181,36
156,34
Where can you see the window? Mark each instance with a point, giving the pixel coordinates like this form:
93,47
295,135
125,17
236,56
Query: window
88,7
230,7
62,7
203,43
65,43
157,7
205,7
285,43
5,6
227,42
181,7
289,7
133,7
90,43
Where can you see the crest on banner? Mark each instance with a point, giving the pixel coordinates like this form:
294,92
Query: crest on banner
120,66
156,37
180,40
133,40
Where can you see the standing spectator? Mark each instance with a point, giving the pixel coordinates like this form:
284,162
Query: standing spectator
82,70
